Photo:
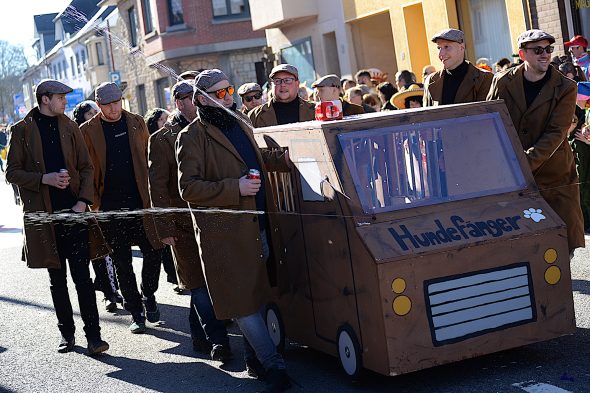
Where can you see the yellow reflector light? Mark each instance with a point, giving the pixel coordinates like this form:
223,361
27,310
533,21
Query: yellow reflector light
552,275
550,255
398,285
402,305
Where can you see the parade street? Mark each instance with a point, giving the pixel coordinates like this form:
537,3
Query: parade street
162,360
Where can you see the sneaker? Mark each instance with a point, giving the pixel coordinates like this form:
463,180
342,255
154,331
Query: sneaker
110,304
202,345
96,346
277,381
66,344
138,325
152,313
221,353
178,290
254,369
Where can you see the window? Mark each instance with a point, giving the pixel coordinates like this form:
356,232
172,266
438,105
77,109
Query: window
55,74
133,26
148,23
83,55
65,68
301,56
99,54
230,9
426,163
72,66
59,69
78,65
141,99
175,12
163,92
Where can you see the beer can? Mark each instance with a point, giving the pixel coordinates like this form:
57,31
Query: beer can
253,174
63,171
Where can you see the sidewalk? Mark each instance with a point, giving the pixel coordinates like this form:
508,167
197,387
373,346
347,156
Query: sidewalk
11,219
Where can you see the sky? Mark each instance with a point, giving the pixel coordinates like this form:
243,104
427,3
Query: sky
16,19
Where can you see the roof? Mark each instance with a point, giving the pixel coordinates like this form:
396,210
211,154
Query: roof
86,7
44,22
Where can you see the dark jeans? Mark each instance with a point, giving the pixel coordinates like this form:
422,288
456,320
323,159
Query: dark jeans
202,320
121,234
168,264
72,244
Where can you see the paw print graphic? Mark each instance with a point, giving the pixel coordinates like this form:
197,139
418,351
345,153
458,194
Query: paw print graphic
534,214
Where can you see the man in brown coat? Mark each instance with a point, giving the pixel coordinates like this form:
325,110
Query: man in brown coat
214,154
49,163
459,81
328,89
285,106
251,95
117,142
541,103
176,229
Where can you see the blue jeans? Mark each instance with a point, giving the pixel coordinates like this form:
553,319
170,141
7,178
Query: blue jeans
202,320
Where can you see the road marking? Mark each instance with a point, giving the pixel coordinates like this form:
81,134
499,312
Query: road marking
535,387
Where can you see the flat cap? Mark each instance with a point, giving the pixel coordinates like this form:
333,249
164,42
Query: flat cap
208,78
534,35
285,68
107,92
191,74
51,86
249,88
182,89
450,35
327,81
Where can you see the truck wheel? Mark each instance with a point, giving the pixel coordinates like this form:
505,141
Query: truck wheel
274,324
349,352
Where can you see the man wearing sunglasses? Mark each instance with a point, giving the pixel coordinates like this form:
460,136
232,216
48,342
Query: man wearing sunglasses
541,102
577,47
459,81
251,95
285,106
176,229
215,154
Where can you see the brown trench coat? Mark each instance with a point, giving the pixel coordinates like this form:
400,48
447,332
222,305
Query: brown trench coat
26,167
474,87
209,168
542,130
138,141
163,175
265,116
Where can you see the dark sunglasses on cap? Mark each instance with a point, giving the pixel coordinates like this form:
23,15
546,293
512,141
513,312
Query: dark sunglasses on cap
538,50
221,92
256,96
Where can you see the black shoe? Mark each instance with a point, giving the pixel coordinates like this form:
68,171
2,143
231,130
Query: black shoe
221,353
152,313
254,369
202,345
110,304
66,344
96,346
277,381
118,297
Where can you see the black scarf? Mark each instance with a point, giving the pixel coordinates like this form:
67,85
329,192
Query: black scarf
218,116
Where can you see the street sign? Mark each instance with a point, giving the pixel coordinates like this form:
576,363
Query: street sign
115,77
74,98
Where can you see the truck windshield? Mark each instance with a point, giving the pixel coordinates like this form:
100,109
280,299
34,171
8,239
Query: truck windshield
426,163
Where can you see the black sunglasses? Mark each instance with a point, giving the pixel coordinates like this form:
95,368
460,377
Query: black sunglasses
256,96
539,49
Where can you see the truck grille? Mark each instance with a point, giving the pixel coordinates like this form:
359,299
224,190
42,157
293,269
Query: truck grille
464,306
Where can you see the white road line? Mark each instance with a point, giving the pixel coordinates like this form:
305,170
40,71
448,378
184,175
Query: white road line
536,387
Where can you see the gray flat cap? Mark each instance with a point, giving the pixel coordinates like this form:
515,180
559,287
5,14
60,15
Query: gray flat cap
208,78
450,35
249,88
182,89
285,68
107,92
51,86
188,75
327,81
534,35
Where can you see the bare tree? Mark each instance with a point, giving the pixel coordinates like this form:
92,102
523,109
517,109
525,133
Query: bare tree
12,64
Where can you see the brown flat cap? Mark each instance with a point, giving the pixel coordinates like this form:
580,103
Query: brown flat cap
208,78
107,92
51,86
450,35
327,81
249,88
534,35
285,68
182,89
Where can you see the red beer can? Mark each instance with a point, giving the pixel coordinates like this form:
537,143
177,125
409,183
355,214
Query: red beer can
253,174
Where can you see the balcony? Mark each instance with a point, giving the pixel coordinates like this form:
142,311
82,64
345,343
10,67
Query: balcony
279,13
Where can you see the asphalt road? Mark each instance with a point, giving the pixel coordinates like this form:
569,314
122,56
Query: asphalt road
162,360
